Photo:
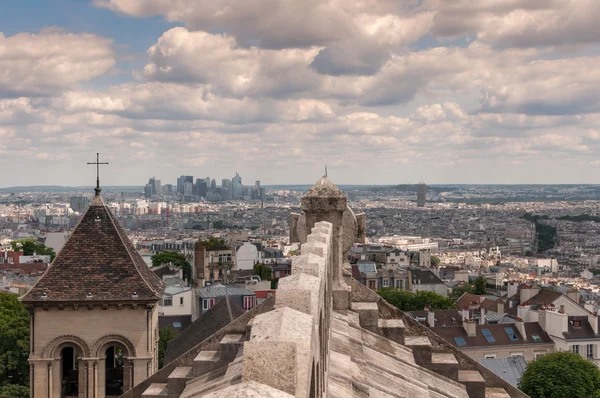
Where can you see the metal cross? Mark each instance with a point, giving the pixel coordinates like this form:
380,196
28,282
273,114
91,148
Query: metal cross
97,163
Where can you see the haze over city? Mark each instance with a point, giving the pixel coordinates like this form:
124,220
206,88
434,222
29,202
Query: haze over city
383,92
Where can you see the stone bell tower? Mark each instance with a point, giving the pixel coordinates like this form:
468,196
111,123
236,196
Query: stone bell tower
326,202
94,314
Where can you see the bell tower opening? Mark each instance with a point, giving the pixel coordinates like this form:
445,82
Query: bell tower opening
114,367
69,364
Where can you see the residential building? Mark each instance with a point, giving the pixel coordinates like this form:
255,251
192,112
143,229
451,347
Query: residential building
425,280
208,296
246,256
212,266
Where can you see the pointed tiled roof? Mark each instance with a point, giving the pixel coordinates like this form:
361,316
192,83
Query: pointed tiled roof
98,263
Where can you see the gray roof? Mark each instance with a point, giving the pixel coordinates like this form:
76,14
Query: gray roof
366,267
510,369
221,290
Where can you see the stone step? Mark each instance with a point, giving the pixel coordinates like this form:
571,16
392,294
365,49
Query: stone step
207,361
474,382
496,393
249,329
368,313
421,348
229,346
445,364
177,379
156,390
392,329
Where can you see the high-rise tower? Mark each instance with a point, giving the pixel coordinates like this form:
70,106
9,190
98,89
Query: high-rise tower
421,194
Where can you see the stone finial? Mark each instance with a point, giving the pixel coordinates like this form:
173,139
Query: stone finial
324,196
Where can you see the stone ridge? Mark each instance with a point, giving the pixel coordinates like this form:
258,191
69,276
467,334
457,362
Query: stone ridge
97,263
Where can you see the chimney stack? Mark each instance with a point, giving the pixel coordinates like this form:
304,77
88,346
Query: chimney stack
500,308
430,316
470,327
482,319
465,313
520,324
593,321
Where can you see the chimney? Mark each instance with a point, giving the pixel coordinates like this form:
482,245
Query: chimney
512,289
482,319
542,317
520,324
500,308
528,292
523,312
593,321
465,313
573,294
470,327
430,316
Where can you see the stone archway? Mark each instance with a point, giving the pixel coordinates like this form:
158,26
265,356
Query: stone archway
67,371
115,368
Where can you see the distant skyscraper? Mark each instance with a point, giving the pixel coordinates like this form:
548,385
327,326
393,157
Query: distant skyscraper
237,190
213,184
421,194
180,184
225,183
257,184
156,188
188,188
201,188
148,191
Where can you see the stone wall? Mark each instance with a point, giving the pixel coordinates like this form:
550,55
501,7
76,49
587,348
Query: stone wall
288,347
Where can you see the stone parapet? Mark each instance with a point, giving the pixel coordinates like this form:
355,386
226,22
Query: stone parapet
292,339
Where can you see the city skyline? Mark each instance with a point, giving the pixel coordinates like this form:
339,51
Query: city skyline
383,92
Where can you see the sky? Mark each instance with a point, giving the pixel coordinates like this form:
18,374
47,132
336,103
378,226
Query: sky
380,91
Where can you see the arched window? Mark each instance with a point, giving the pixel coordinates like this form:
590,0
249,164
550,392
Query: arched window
114,371
69,367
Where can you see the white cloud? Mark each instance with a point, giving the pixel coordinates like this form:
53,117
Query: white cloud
51,61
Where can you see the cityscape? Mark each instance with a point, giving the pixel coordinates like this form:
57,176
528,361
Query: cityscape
314,199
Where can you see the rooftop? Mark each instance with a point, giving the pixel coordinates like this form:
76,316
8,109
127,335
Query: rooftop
97,263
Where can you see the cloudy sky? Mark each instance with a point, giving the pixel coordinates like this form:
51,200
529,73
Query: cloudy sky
382,91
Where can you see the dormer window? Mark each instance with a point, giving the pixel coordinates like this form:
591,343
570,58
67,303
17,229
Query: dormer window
576,323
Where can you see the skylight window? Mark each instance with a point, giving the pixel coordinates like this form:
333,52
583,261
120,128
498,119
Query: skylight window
488,335
511,334
536,338
460,341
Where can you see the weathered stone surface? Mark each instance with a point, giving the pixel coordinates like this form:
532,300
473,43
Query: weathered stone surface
301,292
272,363
249,389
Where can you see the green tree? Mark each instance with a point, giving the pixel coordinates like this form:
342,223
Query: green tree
213,243
265,272
435,261
561,374
29,246
14,391
479,284
164,336
458,291
177,259
408,301
14,343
